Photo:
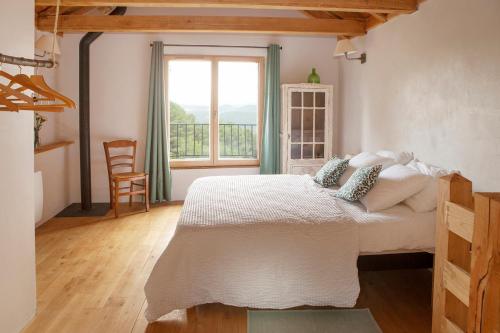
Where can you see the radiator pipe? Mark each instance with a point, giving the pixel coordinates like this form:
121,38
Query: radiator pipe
84,125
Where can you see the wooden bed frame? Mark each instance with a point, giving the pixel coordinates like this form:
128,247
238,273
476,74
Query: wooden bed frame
467,260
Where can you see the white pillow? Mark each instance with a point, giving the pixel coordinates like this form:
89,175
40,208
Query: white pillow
426,200
394,185
429,169
364,159
401,158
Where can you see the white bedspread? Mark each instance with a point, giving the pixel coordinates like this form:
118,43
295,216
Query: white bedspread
397,229
260,242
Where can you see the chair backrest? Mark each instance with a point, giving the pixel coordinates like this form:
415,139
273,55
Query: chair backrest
121,160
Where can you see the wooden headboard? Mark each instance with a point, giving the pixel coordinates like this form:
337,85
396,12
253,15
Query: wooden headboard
467,260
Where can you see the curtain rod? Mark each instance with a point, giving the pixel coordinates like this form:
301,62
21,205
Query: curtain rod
213,45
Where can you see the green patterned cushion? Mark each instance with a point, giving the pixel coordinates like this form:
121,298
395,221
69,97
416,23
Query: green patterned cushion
361,181
330,173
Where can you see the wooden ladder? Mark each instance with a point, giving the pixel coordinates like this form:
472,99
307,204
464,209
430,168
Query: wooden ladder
467,260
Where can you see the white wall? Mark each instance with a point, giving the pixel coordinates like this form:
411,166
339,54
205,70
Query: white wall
48,133
119,87
431,85
55,166
17,253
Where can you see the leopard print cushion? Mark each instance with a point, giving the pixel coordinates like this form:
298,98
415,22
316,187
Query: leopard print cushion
331,172
361,181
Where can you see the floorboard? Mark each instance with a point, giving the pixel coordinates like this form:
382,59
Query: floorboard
91,273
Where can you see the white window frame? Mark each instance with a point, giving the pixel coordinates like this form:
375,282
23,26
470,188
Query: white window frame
214,161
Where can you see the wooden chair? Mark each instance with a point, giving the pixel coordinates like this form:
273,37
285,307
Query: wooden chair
127,174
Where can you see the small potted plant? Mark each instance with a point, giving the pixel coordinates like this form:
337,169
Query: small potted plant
39,120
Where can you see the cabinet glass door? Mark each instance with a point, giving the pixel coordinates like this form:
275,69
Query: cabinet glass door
307,116
296,133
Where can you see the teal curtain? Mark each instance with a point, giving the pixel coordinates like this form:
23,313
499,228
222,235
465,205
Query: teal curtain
156,163
270,147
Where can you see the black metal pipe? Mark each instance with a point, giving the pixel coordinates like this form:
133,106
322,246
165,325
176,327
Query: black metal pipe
85,174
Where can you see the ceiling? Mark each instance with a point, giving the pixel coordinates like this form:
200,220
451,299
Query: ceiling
344,18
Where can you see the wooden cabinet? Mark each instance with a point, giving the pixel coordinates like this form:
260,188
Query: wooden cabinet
306,127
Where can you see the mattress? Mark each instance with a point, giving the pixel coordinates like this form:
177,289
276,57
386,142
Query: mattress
397,229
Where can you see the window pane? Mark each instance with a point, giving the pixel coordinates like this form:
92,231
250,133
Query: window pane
238,98
189,93
295,151
320,125
319,150
307,151
308,125
320,99
296,99
308,99
296,125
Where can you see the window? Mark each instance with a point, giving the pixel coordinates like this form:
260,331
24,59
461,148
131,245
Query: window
215,108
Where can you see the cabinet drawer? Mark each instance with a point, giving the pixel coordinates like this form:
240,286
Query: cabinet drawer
304,169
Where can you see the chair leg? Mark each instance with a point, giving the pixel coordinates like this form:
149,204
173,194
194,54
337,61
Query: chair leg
111,194
146,194
117,197
131,189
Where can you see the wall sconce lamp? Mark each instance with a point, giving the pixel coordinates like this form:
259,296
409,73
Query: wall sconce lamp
345,48
44,44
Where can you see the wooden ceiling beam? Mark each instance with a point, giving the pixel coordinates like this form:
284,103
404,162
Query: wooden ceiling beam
381,17
377,19
48,11
233,24
373,21
319,14
376,6
79,11
40,9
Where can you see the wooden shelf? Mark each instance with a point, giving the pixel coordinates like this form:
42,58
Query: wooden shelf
52,146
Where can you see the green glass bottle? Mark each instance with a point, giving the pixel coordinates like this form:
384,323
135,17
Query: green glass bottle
313,77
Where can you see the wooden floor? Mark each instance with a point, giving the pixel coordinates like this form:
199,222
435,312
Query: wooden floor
91,273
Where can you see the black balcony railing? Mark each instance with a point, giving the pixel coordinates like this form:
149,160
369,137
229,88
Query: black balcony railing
193,140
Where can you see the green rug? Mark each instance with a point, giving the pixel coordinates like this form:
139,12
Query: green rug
312,321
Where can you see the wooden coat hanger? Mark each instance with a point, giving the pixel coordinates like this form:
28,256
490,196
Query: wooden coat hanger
45,99
39,81
22,92
21,80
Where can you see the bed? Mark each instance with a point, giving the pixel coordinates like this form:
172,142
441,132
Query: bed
415,231
276,241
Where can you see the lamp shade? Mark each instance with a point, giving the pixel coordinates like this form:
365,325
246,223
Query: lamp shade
44,43
344,46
